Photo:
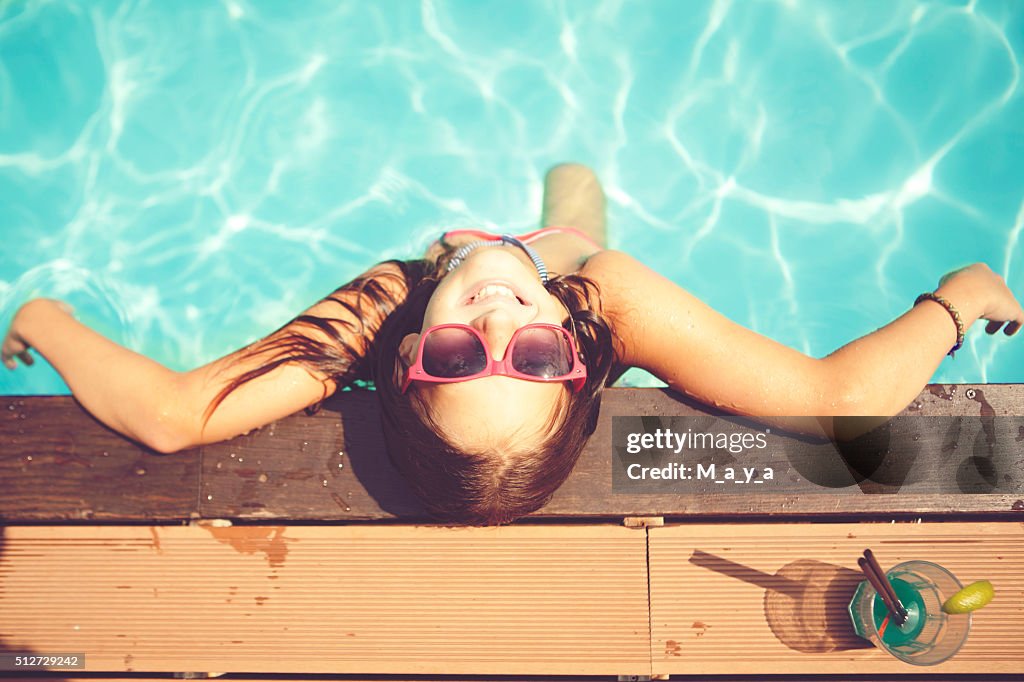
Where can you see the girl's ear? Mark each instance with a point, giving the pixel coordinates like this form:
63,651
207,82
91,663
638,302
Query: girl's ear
407,348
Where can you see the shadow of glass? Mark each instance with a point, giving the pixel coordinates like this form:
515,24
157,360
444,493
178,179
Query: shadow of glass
817,621
767,581
804,602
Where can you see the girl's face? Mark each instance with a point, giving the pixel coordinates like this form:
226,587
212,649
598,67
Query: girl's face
495,408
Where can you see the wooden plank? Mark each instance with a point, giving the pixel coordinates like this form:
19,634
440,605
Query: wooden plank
586,492
332,465
523,600
279,471
745,599
135,677
57,462
66,676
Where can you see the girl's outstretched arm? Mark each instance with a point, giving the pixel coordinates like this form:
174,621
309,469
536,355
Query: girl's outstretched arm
168,410
700,352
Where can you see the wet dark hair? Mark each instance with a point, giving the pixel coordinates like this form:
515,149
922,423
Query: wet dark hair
478,486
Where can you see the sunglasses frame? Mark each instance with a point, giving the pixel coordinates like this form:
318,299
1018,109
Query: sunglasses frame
577,373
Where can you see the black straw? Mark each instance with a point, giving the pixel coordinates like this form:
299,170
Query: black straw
876,576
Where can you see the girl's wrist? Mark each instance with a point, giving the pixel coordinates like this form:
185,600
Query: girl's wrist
964,299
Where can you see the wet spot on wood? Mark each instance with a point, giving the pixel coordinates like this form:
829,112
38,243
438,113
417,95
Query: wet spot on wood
341,503
269,540
156,539
672,648
978,396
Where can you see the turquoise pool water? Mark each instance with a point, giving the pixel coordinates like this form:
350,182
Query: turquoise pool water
191,175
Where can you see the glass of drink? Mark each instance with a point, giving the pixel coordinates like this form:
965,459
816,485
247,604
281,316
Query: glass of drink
929,636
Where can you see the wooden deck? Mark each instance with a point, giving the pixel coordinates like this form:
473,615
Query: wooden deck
264,556
519,600
333,467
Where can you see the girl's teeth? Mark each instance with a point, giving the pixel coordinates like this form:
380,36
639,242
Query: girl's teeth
494,290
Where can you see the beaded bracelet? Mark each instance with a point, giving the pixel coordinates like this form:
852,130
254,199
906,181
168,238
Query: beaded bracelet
929,296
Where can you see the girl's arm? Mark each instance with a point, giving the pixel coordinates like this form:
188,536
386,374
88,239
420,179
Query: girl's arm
166,410
700,352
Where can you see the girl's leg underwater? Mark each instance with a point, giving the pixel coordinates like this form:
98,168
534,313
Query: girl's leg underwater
573,198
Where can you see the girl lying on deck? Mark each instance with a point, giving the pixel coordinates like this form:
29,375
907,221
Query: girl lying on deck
490,353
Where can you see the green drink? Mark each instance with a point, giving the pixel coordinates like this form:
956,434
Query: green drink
899,635
928,636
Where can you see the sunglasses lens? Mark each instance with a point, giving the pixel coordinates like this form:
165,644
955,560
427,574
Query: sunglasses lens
542,352
452,353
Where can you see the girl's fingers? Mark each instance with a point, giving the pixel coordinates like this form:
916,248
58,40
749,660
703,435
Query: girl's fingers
26,357
993,326
1011,328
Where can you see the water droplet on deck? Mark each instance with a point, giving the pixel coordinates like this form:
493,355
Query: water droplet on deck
29,458
209,497
263,478
75,627
106,454
325,484
232,455
218,465
20,403
11,408
341,453
21,416
140,472
348,508
240,460
305,443
340,465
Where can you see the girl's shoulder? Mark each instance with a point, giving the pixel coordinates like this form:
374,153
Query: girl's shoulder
612,269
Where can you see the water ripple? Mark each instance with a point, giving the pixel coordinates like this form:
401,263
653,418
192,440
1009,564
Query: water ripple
196,175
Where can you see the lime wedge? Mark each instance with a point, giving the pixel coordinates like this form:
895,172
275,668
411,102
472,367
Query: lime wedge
971,598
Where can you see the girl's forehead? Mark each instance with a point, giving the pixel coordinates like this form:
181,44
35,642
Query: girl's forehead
487,412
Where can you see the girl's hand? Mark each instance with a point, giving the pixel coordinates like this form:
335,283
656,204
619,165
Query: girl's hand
986,295
14,345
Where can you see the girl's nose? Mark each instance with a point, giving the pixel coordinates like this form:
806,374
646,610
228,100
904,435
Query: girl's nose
497,329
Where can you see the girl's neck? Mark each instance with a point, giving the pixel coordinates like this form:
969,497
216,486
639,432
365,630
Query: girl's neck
523,252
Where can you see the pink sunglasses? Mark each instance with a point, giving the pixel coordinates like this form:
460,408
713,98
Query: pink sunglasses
457,352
